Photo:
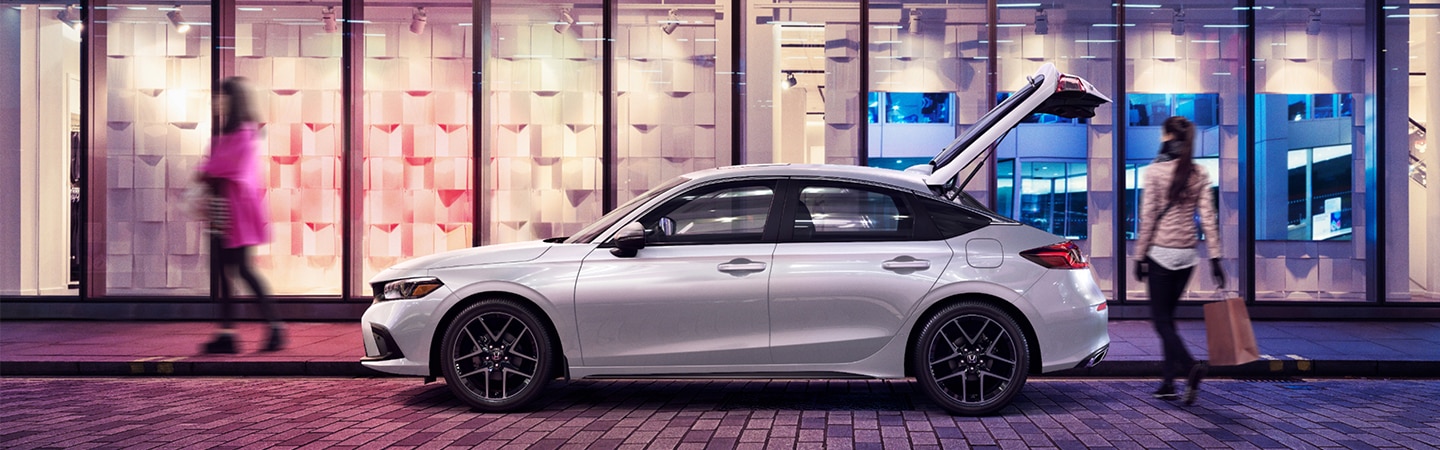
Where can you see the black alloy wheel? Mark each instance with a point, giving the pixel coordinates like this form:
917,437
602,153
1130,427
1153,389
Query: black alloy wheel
496,355
971,358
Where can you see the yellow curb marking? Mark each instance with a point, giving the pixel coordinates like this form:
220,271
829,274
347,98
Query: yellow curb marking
1300,362
167,366
138,366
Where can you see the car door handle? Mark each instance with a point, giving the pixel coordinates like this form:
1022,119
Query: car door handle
905,263
741,265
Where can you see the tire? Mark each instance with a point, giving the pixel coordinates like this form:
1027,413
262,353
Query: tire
971,358
496,356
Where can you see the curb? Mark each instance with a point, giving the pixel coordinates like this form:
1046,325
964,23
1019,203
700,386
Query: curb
1110,369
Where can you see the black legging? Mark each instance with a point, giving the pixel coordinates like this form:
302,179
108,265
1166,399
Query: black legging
236,261
1166,286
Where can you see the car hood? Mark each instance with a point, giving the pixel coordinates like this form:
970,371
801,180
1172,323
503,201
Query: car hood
489,254
1047,91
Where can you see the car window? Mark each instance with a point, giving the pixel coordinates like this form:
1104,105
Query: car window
951,219
845,212
732,213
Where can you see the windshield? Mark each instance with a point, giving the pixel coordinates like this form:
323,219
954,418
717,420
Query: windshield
588,233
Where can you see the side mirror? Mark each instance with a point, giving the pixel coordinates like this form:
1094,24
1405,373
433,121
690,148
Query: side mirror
629,240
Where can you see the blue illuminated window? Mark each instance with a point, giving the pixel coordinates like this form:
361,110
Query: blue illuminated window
917,107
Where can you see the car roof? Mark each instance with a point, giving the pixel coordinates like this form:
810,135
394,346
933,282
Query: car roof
891,177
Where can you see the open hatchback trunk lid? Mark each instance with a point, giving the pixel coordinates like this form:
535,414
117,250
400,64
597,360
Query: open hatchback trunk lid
1048,92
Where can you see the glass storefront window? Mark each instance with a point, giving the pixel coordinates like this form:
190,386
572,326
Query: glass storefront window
292,55
417,185
1413,48
1310,152
1063,166
812,120
157,130
40,82
545,126
671,99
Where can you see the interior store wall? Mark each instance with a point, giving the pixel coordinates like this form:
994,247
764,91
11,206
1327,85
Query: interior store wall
41,87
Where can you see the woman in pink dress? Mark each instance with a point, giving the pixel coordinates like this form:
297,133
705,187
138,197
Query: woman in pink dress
239,222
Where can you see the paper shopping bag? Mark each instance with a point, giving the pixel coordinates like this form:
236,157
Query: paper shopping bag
1228,333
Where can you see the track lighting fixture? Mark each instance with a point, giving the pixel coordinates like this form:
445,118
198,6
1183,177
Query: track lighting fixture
566,20
1042,22
417,20
70,16
327,17
178,20
1313,26
1177,25
789,81
670,23
914,21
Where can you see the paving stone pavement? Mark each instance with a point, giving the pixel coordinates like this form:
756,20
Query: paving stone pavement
206,412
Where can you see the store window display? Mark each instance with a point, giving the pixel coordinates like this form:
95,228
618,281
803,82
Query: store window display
417,184
1416,30
292,55
1309,147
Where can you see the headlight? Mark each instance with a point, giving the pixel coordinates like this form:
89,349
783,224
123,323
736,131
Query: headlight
409,288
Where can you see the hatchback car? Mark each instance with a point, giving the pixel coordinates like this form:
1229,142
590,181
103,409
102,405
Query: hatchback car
764,271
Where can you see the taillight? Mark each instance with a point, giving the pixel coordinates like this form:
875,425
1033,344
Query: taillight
1064,255
1069,83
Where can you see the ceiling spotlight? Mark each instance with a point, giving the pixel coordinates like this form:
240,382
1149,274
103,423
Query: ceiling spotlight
417,20
327,17
70,16
670,23
1313,26
566,20
914,20
178,21
1177,25
1042,22
789,81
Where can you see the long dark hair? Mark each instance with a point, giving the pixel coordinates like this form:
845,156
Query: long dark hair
240,105
1184,138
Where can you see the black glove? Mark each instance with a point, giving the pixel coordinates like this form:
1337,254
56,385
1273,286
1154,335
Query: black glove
1142,269
1217,273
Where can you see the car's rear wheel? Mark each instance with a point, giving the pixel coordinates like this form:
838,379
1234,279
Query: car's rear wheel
496,355
971,358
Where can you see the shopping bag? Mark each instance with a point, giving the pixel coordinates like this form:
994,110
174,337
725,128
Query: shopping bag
1228,333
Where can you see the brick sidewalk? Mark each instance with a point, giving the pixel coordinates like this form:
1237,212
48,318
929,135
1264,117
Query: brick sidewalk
1395,349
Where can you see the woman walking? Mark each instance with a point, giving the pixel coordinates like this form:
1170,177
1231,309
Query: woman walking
1175,190
240,221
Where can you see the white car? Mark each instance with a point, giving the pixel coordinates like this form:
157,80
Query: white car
763,271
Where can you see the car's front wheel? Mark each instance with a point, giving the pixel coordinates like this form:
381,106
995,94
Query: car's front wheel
971,358
496,355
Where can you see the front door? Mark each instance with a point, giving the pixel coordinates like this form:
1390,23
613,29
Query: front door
695,295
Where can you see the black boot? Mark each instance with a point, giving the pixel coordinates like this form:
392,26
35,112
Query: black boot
277,339
223,343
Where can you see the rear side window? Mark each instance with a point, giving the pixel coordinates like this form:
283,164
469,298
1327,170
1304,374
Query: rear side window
846,212
952,220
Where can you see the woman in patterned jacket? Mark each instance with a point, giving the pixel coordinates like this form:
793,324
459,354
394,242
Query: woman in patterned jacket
1175,190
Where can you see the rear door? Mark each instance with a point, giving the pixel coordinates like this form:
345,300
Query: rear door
849,267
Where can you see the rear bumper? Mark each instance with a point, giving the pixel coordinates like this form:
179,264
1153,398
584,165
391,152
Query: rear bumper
1094,358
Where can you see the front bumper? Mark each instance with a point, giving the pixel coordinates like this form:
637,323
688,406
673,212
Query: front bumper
397,334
